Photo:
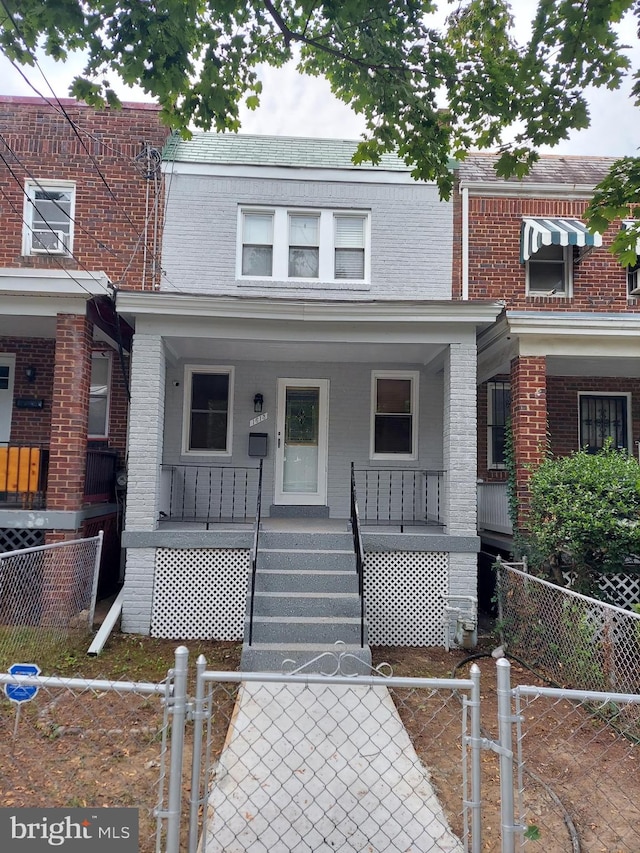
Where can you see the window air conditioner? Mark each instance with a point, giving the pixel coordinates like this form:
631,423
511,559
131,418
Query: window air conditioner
635,291
48,242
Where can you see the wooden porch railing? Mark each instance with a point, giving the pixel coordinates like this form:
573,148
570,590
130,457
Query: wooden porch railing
493,508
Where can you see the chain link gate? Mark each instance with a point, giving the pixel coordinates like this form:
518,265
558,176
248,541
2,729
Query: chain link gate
306,762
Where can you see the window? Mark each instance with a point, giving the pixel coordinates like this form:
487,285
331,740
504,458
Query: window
99,395
321,245
498,414
48,217
633,280
549,271
603,416
208,410
394,428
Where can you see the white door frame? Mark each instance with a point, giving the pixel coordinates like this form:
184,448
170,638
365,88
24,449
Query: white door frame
318,498
6,397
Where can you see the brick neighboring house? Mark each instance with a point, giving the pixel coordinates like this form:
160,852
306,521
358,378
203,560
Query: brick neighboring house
305,318
81,209
562,359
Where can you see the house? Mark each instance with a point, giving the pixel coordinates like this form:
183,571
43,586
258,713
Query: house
79,198
562,361
305,326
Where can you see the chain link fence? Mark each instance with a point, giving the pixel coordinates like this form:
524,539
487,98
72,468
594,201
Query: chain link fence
72,743
46,594
572,639
314,763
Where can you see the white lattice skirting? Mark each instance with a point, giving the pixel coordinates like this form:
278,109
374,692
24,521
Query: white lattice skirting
200,593
405,593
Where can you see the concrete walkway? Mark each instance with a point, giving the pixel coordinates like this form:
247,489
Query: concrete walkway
322,768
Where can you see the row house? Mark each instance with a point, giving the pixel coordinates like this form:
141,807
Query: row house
80,194
561,363
303,356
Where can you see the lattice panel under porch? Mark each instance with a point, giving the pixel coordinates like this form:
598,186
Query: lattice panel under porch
620,589
200,593
405,594
16,538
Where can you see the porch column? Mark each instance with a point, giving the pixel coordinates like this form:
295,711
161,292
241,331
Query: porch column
528,423
145,446
460,439
67,453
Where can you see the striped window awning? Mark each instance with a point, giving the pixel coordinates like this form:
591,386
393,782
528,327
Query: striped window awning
555,232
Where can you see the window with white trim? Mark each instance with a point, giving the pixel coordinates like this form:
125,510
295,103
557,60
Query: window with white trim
208,410
602,417
99,395
48,218
394,414
286,244
550,271
498,414
633,280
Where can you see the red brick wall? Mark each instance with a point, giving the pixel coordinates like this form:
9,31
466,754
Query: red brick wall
495,271
108,220
69,414
31,425
528,421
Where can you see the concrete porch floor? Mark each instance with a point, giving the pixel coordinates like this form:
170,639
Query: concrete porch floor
311,767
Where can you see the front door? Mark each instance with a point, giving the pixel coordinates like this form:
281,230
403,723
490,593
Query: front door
301,441
7,365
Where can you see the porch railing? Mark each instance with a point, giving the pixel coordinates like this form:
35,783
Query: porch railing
23,475
254,552
359,549
400,496
100,476
208,494
493,508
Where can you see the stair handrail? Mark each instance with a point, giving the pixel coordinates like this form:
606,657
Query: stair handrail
254,551
358,548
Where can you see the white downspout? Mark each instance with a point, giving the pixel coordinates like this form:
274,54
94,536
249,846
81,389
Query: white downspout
465,242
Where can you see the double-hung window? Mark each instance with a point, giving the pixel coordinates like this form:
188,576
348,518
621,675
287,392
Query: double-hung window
633,280
48,218
603,417
208,409
99,395
394,414
549,271
498,414
295,244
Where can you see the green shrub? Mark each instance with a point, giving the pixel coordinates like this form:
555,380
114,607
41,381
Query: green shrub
585,515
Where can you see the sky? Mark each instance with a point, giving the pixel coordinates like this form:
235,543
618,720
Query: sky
292,105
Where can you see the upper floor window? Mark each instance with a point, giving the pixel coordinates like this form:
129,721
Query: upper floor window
99,395
208,409
633,280
48,218
394,414
603,417
498,414
287,244
549,271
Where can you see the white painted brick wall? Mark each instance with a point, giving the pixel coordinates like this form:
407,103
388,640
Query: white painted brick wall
459,438
138,590
411,234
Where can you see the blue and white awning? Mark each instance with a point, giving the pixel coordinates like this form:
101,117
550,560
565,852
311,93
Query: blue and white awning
554,232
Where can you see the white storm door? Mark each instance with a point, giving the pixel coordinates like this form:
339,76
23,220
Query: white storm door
301,441
7,371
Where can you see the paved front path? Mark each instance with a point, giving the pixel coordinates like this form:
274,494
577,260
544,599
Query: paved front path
322,768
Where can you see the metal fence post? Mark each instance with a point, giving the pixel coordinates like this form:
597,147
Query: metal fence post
505,721
198,722
476,762
96,575
179,713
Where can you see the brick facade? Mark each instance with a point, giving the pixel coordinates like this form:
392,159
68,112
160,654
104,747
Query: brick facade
528,421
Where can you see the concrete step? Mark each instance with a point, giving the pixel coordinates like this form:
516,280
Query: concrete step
292,580
304,539
305,560
325,658
287,604
305,629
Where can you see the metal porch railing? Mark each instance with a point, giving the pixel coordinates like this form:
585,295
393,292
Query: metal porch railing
210,493
359,549
400,496
254,552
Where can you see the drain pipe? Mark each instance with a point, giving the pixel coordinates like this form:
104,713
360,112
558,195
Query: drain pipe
107,626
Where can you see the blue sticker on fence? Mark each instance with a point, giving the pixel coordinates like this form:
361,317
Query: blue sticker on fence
22,692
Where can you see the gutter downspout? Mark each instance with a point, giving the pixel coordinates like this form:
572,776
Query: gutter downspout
465,242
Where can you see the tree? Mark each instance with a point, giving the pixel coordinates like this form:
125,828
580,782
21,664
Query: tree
430,93
584,515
